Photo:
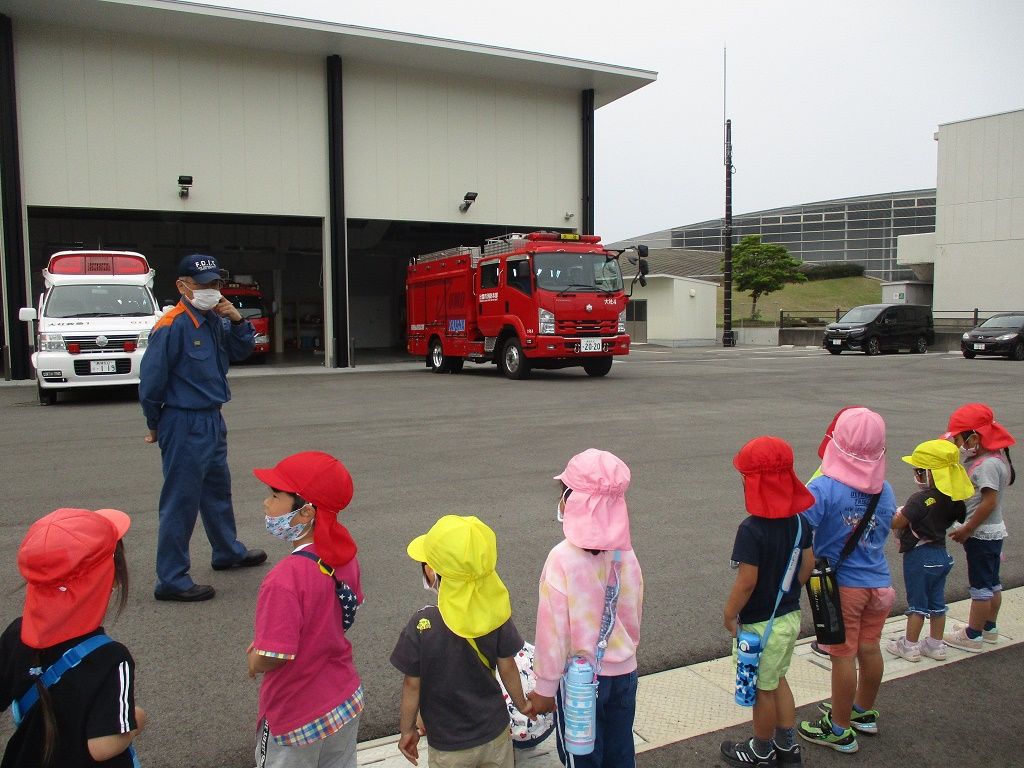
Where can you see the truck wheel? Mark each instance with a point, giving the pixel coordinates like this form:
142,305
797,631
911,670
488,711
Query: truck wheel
873,346
597,366
47,396
436,360
512,362
920,346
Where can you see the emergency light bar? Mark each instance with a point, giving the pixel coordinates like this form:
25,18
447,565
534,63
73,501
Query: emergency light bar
98,263
563,237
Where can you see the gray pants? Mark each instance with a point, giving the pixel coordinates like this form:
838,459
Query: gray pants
336,751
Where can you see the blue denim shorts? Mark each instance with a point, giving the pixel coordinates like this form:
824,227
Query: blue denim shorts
983,558
924,573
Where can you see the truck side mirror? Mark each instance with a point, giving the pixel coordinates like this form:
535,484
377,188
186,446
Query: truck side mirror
644,266
27,314
641,251
643,281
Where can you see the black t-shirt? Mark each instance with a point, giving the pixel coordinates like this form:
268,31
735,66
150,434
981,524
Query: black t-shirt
768,544
460,699
95,698
930,513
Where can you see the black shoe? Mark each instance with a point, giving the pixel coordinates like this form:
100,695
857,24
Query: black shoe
251,558
819,651
741,753
194,594
789,756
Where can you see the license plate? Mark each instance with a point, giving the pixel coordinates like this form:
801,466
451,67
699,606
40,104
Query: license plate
837,342
590,345
979,346
102,366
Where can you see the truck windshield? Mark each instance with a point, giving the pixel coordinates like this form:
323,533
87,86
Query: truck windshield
861,315
247,306
98,301
577,271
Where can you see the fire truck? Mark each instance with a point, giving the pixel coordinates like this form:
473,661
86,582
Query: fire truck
247,297
523,301
93,320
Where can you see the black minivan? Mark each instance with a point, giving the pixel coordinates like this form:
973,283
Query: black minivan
874,328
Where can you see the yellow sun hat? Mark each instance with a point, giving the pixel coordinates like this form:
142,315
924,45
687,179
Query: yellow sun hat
942,459
471,597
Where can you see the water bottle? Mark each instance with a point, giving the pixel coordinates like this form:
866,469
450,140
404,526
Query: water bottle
748,646
826,609
579,706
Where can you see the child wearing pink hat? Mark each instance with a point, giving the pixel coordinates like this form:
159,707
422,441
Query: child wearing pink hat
71,559
852,482
762,553
984,451
595,521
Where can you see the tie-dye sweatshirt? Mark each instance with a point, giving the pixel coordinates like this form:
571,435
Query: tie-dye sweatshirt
572,587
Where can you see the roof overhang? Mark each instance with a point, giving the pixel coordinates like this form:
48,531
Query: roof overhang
217,25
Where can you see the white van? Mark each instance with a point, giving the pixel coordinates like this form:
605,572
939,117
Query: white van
93,320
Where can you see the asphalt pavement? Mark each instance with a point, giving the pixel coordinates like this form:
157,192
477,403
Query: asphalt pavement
421,445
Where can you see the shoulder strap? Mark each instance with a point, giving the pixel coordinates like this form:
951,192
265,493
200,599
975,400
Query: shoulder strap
611,602
71,658
324,567
787,579
859,530
479,653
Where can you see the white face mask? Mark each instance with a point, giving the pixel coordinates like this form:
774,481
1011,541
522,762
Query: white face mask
204,299
560,506
923,482
280,526
428,586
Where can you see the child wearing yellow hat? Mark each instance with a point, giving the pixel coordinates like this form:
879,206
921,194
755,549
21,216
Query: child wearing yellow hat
448,652
921,525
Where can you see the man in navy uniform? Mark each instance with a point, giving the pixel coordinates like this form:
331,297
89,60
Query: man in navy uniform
182,388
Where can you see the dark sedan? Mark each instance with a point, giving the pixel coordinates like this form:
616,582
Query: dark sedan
1001,335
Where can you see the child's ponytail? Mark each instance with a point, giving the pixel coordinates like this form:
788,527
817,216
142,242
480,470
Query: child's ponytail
49,718
1013,472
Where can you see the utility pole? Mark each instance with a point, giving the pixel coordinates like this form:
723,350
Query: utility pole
728,339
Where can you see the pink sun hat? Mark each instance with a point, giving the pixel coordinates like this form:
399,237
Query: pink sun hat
856,454
596,516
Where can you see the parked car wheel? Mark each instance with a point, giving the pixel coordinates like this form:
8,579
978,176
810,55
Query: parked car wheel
834,351
920,345
968,354
1018,351
47,396
873,346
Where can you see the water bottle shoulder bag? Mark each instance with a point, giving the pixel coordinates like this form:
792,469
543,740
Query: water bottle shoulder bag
823,585
345,594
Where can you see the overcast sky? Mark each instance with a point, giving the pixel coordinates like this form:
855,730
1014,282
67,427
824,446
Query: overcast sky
828,99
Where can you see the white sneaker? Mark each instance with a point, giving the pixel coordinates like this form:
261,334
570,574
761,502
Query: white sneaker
990,635
904,649
933,649
958,639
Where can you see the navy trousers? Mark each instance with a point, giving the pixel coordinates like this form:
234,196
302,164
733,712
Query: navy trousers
197,482
616,708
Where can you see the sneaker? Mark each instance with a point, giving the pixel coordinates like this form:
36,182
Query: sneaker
933,649
990,635
789,756
958,639
742,754
821,733
819,651
904,649
865,722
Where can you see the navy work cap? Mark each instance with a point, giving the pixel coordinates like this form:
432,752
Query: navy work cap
201,268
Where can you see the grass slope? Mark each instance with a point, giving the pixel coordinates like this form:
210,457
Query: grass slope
820,296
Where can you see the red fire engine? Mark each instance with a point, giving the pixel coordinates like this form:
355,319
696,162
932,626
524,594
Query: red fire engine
248,299
538,300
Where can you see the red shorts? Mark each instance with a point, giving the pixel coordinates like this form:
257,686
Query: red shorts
864,613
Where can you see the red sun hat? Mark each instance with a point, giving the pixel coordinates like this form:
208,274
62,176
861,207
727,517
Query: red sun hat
978,417
771,488
67,558
323,481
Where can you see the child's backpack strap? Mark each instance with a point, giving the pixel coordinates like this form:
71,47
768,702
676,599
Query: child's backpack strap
345,594
71,659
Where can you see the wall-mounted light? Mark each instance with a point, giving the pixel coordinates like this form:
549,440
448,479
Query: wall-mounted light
184,185
467,200
569,215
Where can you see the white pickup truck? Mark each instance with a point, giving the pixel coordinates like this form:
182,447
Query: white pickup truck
93,320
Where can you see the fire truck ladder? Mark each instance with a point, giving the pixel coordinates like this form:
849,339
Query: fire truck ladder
513,241
448,253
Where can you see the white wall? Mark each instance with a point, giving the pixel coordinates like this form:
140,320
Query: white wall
979,238
110,122
673,315
416,142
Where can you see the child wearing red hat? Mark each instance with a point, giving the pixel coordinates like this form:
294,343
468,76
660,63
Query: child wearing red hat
70,715
984,451
762,553
311,696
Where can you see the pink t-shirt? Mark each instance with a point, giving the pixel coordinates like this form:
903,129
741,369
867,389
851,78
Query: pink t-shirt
572,588
298,616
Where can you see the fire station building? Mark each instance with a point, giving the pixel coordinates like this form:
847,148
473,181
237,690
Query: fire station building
314,158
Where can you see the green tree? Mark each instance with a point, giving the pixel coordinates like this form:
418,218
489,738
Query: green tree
762,268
